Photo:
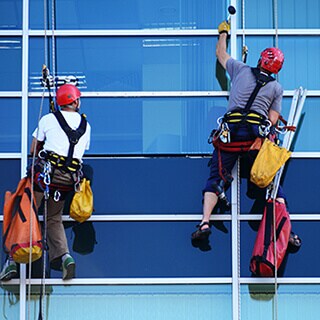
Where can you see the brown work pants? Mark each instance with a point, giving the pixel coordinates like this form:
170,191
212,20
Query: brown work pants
56,236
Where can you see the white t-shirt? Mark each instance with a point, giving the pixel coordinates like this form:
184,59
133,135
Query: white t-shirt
56,140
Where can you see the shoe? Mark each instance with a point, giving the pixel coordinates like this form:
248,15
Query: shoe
68,268
201,234
294,243
9,270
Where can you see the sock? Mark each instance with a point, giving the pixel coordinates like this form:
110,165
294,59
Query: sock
65,256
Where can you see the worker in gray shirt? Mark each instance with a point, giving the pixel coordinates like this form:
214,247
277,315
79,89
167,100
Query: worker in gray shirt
254,107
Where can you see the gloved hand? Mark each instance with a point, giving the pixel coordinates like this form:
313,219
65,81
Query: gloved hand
224,26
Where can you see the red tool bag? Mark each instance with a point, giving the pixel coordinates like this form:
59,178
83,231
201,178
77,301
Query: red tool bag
262,263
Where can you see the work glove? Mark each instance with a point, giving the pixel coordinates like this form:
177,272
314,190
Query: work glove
224,26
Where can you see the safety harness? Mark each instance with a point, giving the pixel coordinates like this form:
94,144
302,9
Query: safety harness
73,136
51,160
220,138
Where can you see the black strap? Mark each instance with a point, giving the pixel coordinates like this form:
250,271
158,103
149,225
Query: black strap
262,80
73,135
268,227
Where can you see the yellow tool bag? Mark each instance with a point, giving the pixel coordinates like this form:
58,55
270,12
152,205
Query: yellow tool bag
82,203
269,160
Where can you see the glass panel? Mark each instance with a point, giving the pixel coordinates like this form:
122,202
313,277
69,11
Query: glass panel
146,125
297,70
142,14
151,186
291,14
299,185
293,301
146,249
10,123
295,187
10,176
154,64
10,14
299,14
253,17
10,63
9,300
157,302
306,137
294,264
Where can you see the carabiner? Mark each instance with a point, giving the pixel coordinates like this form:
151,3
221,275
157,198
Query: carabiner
56,196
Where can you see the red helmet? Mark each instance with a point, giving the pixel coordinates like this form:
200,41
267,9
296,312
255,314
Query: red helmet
66,94
271,59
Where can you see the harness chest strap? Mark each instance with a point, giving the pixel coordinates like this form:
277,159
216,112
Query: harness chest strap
73,135
240,115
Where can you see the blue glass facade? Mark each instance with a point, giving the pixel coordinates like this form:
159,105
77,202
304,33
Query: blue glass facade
147,70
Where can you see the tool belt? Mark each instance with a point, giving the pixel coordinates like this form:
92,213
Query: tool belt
236,146
240,116
51,174
59,162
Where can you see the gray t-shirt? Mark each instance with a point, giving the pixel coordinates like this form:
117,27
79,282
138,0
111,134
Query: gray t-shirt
243,83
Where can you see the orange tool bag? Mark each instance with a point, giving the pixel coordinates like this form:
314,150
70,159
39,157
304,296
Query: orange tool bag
263,261
19,216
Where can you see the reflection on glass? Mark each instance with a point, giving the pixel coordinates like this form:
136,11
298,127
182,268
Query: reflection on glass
146,125
136,302
10,123
10,301
294,264
293,301
294,73
10,64
148,250
143,14
302,14
153,64
10,14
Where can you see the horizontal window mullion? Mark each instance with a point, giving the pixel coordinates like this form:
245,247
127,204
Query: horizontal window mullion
177,32
137,94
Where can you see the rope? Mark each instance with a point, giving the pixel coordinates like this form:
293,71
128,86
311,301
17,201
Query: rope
275,16
33,165
34,155
238,237
53,46
32,198
45,10
44,258
244,46
275,262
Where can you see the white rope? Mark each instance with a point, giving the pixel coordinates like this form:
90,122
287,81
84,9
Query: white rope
244,46
243,23
45,214
238,236
275,261
45,12
34,158
53,47
275,16
32,199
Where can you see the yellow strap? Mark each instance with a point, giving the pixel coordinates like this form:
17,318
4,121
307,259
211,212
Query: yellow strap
255,115
253,121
